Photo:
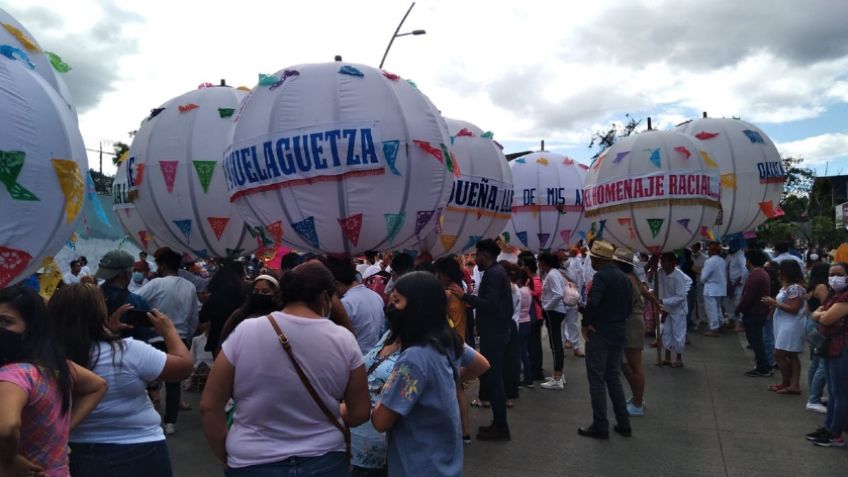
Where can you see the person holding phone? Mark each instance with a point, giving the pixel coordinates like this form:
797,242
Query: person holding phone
122,434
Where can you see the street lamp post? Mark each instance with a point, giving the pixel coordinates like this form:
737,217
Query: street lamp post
396,34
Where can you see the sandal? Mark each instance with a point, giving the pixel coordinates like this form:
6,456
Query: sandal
479,403
776,387
788,391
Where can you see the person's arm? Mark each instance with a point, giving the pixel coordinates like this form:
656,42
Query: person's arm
822,292
383,418
554,287
748,298
791,305
836,312
707,271
485,302
13,399
357,402
474,369
89,389
213,418
593,302
178,364
680,289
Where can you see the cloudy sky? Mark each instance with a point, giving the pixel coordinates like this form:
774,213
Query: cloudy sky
528,71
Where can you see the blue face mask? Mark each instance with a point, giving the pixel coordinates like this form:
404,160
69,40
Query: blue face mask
137,277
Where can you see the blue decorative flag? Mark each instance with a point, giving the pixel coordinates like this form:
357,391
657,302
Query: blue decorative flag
202,253
521,161
351,71
523,237
754,136
306,229
394,223
543,239
91,196
472,242
390,150
185,227
603,224
655,157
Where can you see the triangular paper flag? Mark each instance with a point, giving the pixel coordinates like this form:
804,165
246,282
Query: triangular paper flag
440,221
655,157
543,161
185,227
142,237
522,236
464,132
448,241
683,152
391,76
218,225
13,262
685,224
655,250
488,135
351,71
139,174
205,170
422,219
708,161
728,181
566,235
306,230
351,227
50,278
568,161
521,161
73,186
626,222
753,136
703,135
275,230
390,151
543,239
429,149
768,208
655,225
57,63
472,242
450,160
28,43
506,237
226,112
619,156
602,224
11,164
394,223
169,173
184,108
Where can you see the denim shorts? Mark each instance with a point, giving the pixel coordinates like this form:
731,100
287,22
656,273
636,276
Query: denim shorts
333,464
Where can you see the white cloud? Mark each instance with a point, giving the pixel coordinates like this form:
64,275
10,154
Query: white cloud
817,150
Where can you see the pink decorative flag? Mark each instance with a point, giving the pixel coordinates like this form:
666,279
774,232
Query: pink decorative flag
703,135
218,225
683,151
276,231
351,227
566,235
430,149
464,132
169,173
12,263
184,108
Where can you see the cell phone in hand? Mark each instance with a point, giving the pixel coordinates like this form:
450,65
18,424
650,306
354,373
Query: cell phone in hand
138,318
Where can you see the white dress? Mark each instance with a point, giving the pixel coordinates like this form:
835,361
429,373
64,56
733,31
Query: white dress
789,327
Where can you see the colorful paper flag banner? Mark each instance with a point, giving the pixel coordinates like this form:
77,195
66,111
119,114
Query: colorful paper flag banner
13,53
306,230
450,160
351,71
226,112
753,136
169,173
626,222
429,149
543,239
543,161
218,224
50,277
683,151
28,43
655,157
439,221
488,135
422,219
12,263
728,181
267,80
685,224
472,242
57,63
523,237
770,210
391,76
708,161
205,170
185,227
72,185
184,108
703,135
448,241
351,227
568,161
286,75
566,235
464,132
521,161
619,156
506,238
390,151
394,224
655,225
11,165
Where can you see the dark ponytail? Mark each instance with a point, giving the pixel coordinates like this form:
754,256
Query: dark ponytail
306,283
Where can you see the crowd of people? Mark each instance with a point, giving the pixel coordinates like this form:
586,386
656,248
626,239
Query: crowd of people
333,367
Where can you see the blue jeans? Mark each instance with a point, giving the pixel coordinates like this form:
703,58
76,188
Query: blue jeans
768,341
524,331
816,375
120,460
837,389
333,464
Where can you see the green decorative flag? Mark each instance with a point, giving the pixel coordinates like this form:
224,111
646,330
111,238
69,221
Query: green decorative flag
226,112
394,222
205,170
11,164
488,135
656,225
57,62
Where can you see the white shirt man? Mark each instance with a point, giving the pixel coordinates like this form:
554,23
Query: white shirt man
714,279
737,273
177,298
673,288
365,309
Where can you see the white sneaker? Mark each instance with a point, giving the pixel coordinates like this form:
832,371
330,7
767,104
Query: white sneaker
557,384
170,429
814,407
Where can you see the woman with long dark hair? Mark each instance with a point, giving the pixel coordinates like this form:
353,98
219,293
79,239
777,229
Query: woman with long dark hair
36,389
418,405
818,291
789,311
227,292
553,286
262,300
449,272
122,436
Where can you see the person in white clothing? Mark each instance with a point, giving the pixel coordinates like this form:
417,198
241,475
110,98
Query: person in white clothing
673,288
714,278
84,270
140,270
176,297
553,285
74,275
698,260
737,273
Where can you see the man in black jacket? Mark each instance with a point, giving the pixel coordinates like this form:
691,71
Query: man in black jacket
604,325
493,305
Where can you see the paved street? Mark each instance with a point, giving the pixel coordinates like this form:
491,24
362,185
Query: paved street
706,419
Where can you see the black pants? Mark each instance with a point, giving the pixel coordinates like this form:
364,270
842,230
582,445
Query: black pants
512,366
554,321
534,348
494,349
754,333
603,370
173,392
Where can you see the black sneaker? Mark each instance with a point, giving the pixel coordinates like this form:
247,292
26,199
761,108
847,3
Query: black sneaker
828,440
589,432
492,433
821,431
756,373
624,431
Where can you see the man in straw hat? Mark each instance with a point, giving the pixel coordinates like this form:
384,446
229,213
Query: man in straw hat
605,326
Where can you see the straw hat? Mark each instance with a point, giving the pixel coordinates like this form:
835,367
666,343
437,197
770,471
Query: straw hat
602,250
623,255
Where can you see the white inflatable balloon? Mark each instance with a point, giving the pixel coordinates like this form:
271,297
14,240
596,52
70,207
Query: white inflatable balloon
42,162
653,192
128,217
547,208
16,42
342,158
751,171
176,178
480,202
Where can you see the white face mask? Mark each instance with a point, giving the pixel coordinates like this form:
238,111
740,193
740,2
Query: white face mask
837,283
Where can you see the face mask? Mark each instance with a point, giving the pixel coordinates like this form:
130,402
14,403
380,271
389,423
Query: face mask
394,316
137,277
838,283
11,346
263,303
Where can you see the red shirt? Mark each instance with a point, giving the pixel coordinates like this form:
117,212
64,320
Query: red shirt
757,286
836,332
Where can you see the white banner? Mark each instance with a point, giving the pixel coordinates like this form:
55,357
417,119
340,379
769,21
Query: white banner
478,193
684,185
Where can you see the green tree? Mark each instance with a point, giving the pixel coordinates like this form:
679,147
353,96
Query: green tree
119,149
605,139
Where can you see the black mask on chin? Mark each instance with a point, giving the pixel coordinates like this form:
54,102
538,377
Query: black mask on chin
261,303
395,317
11,346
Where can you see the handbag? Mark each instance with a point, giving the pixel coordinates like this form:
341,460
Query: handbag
570,293
818,343
284,341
